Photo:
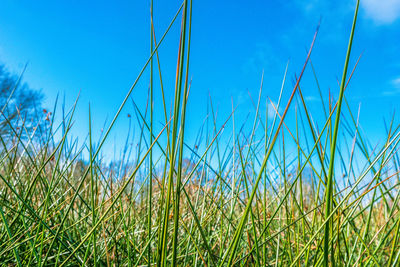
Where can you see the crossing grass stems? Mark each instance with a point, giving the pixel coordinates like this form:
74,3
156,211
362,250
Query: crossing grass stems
312,192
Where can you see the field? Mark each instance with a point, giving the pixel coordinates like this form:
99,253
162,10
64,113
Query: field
268,193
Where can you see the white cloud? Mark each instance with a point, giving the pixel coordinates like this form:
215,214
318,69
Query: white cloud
264,57
311,98
396,82
396,87
382,11
272,109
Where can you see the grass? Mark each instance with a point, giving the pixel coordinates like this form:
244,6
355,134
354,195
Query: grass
273,194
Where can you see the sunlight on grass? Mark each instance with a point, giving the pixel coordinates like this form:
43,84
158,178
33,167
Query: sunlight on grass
312,192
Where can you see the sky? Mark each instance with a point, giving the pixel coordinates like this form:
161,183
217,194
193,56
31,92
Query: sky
96,49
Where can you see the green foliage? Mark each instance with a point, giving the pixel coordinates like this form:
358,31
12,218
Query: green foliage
269,195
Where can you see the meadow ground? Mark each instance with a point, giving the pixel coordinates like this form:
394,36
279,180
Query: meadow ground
268,193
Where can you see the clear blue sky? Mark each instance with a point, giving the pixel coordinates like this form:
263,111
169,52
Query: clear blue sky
98,47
